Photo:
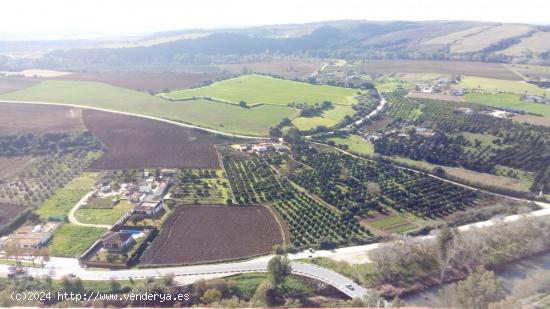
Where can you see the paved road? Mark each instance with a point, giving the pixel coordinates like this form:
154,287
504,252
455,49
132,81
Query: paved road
56,268
74,220
370,115
59,267
141,116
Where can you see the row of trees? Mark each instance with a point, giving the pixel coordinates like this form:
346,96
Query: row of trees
409,264
348,183
50,143
310,223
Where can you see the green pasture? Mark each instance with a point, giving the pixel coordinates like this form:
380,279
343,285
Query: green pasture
259,89
328,118
508,100
71,240
105,216
500,85
213,115
356,144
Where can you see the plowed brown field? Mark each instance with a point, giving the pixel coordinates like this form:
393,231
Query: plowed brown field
212,233
134,142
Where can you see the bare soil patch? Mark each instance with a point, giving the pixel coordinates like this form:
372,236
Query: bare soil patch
13,83
482,69
39,119
146,81
536,120
286,68
134,142
212,233
9,211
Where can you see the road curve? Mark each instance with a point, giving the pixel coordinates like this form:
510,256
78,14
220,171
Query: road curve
190,126
73,220
57,268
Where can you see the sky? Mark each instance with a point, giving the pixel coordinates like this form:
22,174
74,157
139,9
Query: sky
94,18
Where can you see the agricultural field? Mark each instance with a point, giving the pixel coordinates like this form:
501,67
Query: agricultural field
477,178
200,186
259,89
71,240
508,100
475,141
39,119
9,212
12,166
401,108
210,233
133,142
329,118
392,224
13,83
368,188
354,143
146,81
98,214
59,204
530,72
204,113
499,85
483,69
287,68
310,222
38,181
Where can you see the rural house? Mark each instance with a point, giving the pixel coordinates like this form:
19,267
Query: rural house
117,241
161,189
151,205
30,237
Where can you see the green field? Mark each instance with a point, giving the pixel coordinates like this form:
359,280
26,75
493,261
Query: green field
508,100
65,198
356,144
208,114
328,118
259,89
500,85
71,240
393,224
106,216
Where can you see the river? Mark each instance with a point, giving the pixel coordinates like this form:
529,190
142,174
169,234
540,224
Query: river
513,277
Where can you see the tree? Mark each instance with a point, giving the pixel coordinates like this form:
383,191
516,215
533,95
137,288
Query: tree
263,296
293,135
481,288
397,302
275,132
278,268
438,171
444,248
211,296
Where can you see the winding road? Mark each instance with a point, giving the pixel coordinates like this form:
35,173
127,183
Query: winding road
59,267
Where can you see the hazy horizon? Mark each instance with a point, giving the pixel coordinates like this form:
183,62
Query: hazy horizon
65,19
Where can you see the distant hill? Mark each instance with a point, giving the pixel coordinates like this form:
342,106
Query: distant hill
457,40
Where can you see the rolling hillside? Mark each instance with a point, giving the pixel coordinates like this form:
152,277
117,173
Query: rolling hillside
457,40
